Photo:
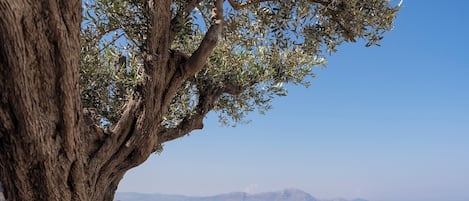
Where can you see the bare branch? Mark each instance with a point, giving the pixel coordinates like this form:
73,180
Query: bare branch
200,56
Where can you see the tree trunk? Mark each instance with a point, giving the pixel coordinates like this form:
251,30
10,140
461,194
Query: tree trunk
39,110
50,147
49,150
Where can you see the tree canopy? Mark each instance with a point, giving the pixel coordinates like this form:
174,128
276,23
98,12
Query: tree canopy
263,46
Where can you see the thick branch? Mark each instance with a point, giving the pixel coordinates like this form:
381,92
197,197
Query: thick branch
241,5
207,98
113,140
206,101
132,138
187,125
200,56
238,6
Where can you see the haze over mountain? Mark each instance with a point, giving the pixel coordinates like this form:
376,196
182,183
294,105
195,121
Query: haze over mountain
285,195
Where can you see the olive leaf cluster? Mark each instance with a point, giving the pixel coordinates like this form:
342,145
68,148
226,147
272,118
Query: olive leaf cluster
265,46
110,63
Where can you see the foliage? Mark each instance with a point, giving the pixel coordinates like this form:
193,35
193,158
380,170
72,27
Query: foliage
264,46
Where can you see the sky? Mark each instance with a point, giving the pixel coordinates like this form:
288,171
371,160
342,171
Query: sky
387,123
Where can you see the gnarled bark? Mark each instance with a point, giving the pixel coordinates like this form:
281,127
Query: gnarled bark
51,148
40,145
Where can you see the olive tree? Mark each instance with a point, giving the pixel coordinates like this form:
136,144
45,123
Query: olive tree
90,89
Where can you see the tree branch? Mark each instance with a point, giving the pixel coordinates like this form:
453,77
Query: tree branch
239,6
208,95
200,56
206,101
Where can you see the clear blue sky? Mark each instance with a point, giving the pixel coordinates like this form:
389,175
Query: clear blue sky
386,123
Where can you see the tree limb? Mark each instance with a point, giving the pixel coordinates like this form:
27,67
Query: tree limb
322,2
198,59
206,101
239,6
208,95
242,5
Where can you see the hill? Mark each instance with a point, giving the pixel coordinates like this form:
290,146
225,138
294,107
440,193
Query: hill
285,195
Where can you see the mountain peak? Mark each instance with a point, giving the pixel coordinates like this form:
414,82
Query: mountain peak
294,190
292,194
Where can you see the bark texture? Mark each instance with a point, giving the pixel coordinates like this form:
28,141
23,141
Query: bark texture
40,118
50,147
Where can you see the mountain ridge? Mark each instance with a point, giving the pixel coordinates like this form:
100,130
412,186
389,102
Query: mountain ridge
290,194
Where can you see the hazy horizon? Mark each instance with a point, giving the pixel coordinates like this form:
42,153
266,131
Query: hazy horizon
387,123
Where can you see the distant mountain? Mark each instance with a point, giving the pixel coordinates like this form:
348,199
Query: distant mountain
285,195
150,197
341,199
